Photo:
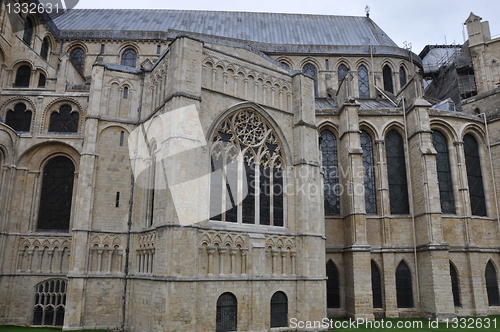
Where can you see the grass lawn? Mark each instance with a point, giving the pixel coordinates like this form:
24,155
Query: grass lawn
11,328
477,324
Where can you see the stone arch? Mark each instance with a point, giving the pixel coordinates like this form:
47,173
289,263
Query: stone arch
55,106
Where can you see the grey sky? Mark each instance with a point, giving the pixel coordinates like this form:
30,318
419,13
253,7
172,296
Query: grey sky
418,22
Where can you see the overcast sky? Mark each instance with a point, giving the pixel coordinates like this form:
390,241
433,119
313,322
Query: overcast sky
419,22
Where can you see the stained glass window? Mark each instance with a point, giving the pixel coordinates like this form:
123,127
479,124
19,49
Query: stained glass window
330,171
77,56
402,76
492,285
443,173
369,173
376,286
28,31
474,176
44,51
19,118
396,172
310,70
227,313
129,58
387,75
342,72
332,286
50,303
245,146
404,288
363,82
279,310
23,76
56,195
455,285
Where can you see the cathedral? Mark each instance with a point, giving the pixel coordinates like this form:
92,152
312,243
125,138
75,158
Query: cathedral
182,170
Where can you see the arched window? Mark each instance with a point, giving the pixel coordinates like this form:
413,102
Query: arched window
363,82
342,72
19,118
330,172
369,173
387,75
28,31
23,75
376,286
41,80
474,176
443,173
245,146
396,172
310,70
125,92
129,57
455,285
64,121
77,55
402,76
492,285
227,313
332,286
151,187
50,303
44,51
56,195
404,288
279,310
285,64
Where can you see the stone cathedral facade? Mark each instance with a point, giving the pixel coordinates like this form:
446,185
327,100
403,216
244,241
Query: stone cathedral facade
169,170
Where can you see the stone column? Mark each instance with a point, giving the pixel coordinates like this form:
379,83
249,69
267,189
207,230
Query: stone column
358,294
433,268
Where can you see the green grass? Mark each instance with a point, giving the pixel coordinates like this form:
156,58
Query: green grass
11,328
419,325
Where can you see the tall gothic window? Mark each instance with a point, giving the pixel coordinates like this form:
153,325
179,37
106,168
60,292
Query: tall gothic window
332,286
151,186
279,310
387,75
19,118
330,171
369,173
23,75
245,145
474,176
455,285
363,82
402,76
44,51
28,31
57,192
310,70
443,173
492,285
376,286
50,303
396,172
129,57
227,313
77,56
64,121
342,72
404,288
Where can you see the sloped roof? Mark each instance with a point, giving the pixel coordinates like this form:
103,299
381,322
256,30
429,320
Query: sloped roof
269,28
